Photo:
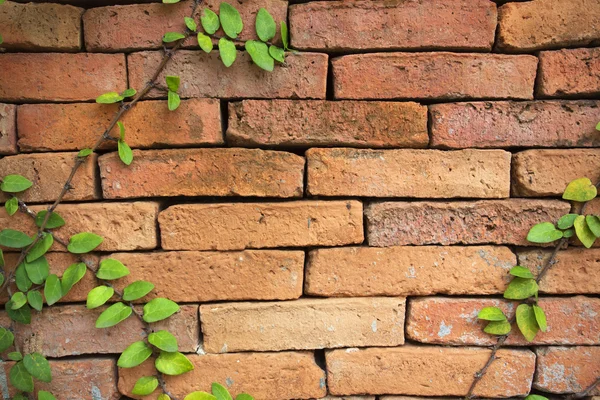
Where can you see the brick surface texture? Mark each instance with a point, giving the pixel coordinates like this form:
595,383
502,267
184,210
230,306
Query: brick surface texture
330,229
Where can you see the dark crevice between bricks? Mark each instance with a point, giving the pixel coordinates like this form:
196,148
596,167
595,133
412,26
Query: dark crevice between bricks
224,110
329,90
320,359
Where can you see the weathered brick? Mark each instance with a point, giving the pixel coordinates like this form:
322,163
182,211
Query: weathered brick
440,76
298,123
303,324
480,222
60,77
267,376
539,173
567,369
8,129
538,25
382,25
194,276
452,321
428,371
124,226
203,172
141,26
577,270
349,398
304,77
236,226
35,27
515,124
408,271
49,172
424,173
569,73
60,127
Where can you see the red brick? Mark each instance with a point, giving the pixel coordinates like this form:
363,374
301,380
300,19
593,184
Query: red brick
60,77
375,173
540,173
479,222
8,129
297,123
453,321
428,371
304,77
538,25
203,172
440,76
408,271
569,73
49,172
236,226
64,127
46,27
267,376
141,26
303,324
515,124
567,369
384,25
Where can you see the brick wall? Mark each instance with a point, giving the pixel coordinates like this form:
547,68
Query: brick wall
331,228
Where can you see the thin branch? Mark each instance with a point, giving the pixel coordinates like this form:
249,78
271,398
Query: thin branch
587,390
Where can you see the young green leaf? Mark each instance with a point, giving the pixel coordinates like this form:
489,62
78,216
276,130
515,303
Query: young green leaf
43,395
12,206
128,93
1,38
540,317
231,21
526,321
210,21
566,221
164,341
205,42
190,24
109,98
14,239
54,221
15,356
593,222
173,83
598,126
15,184
173,363
6,339
277,53
145,386
520,289
84,242
497,328
172,37
134,355
125,153
18,300
20,378
37,270
158,309
583,232
173,101
170,1
121,130
52,290
285,39
491,314
163,397
22,279
581,190
98,296
2,263
40,248
73,274
37,365
535,397
137,290
22,315
521,272
220,392
113,315
259,52
544,232
84,152
111,269
569,233
200,396
35,300
265,27
227,51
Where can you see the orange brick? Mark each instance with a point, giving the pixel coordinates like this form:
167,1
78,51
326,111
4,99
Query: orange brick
567,369
8,129
569,73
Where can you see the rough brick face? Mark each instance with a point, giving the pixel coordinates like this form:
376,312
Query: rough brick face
45,27
538,25
304,76
408,173
428,371
60,77
8,129
49,172
408,271
491,221
203,172
235,226
381,25
60,127
298,123
567,369
303,324
569,73
440,76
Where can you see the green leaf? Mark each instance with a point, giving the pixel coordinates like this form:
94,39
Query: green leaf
38,270
163,340
84,242
491,314
15,184
18,300
6,339
584,234
526,321
598,126
265,27
535,397
200,396
20,378
98,296
159,309
581,190
84,152
52,290
520,289
173,83
540,317
220,392
170,1
521,272
43,395
497,328
1,38
145,385
12,206
125,153
14,239
544,232
593,222
111,269
109,98
569,233
173,363
191,24
40,248
35,300
22,315
137,290
73,274
277,53
121,130
566,221
205,42
172,37
37,365
231,21
285,35
134,355
227,51
113,315
2,263
21,278
128,93
54,221
173,101
260,54
15,356
163,397
210,21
